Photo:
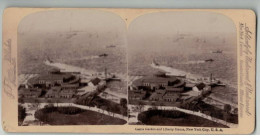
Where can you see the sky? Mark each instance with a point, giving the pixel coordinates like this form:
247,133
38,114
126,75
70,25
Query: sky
82,28
180,32
63,35
63,21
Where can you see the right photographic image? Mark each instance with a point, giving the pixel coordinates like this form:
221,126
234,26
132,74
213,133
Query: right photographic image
182,70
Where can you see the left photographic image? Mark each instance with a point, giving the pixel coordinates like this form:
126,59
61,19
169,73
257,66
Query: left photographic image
72,68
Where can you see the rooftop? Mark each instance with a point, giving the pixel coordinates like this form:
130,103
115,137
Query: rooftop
30,90
68,91
137,92
154,79
50,77
158,94
170,95
54,90
95,81
200,86
59,76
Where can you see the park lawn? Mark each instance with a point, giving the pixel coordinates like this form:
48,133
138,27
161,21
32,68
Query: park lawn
217,112
47,100
187,121
182,120
84,118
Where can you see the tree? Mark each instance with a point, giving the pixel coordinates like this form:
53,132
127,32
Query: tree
49,101
123,111
142,117
37,104
21,100
123,102
154,106
57,102
161,104
98,105
21,114
235,111
108,110
103,107
227,108
226,116
140,106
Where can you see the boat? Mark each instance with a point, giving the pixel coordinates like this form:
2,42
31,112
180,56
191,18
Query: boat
209,60
207,80
219,84
217,51
48,60
103,55
168,70
111,46
155,63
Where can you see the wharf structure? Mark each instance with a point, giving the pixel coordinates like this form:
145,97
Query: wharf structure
56,84
162,89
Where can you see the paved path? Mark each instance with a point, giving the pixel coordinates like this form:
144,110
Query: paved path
94,109
132,78
134,119
23,78
146,107
215,100
30,111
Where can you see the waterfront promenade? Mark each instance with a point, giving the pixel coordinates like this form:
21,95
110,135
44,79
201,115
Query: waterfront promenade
134,115
30,111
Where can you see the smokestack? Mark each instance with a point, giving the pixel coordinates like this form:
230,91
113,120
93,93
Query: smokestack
210,77
105,73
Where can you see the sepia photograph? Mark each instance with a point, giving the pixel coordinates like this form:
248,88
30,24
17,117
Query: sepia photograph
72,68
182,70
129,71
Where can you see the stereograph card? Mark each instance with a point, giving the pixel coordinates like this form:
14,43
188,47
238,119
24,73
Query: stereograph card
108,70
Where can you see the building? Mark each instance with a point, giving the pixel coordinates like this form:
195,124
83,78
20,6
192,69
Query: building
54,78
56,84
53,92
174,89
159,82
170,97
94,82
136,94
67,93
164,96
87,89
59,92
30,92
157,95
199,87
70,86
160,87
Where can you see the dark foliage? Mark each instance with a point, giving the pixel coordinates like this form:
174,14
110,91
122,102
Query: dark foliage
213,111
227,108
144,116
105,105
74,116
174,118
62,110
21,114
123,102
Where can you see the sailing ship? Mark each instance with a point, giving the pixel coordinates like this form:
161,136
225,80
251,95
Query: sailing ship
217,51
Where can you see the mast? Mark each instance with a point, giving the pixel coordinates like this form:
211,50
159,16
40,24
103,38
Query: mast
105,73
105,68
210,78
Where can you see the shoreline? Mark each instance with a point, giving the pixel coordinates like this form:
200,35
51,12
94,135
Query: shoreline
178,72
